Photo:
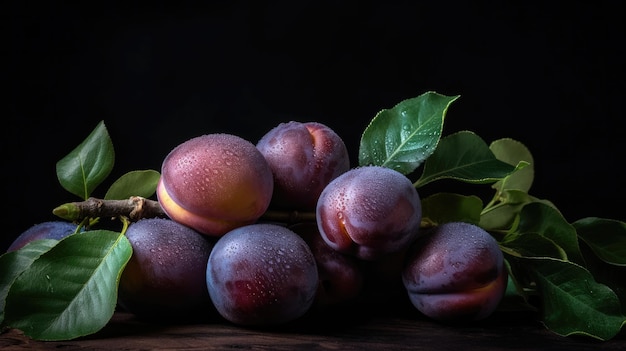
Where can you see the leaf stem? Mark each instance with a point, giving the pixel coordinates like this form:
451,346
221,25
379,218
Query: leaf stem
492,203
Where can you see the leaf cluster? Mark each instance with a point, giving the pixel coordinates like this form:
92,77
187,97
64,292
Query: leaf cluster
570,273
61,290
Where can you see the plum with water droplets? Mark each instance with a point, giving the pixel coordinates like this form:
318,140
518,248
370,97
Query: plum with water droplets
304,157
369,212
455,272
164,277
261,275
214,183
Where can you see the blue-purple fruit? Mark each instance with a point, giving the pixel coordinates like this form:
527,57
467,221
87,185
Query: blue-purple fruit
369,212
164,277
455,272
304,158
341,277
56,230
261,275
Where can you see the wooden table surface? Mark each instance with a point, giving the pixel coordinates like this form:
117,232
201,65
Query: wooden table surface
356,328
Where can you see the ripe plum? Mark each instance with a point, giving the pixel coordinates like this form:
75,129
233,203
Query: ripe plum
56,230
341,277
261,275
304,158
369,212
165,275
214,183
455,272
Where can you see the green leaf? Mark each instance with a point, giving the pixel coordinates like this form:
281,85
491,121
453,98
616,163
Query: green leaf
515,298
466,157
70,290
83,169
537,217
448,207
606,273
402,137
605,237
502,214
135,183
531,245
13,263
513,152
573,303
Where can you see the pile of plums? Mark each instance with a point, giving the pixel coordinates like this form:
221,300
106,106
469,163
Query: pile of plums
217,253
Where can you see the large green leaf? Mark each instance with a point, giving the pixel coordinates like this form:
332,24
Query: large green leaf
70,290
605,237
402,137
85,167
513,152
537,217
448,207
13,263
135,183
466,157
573,303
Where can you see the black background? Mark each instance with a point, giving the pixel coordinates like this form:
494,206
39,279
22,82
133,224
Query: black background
549,74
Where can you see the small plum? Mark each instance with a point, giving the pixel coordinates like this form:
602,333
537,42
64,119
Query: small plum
214,183
341,277
304,157
455,272
56,230
369,212
262,274
164,278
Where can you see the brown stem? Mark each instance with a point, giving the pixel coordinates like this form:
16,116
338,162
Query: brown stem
288,217
135,208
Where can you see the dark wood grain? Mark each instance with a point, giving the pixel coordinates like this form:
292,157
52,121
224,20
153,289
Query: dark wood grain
358,328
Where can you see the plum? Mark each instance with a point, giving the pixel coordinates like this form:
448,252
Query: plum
261,274
164,278
304,157
56,230
455,272
214,183
341,277
369,212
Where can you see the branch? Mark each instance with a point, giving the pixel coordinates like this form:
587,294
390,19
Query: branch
137,207
288,217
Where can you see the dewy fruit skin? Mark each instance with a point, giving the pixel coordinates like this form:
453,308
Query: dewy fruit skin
215,183
455,272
